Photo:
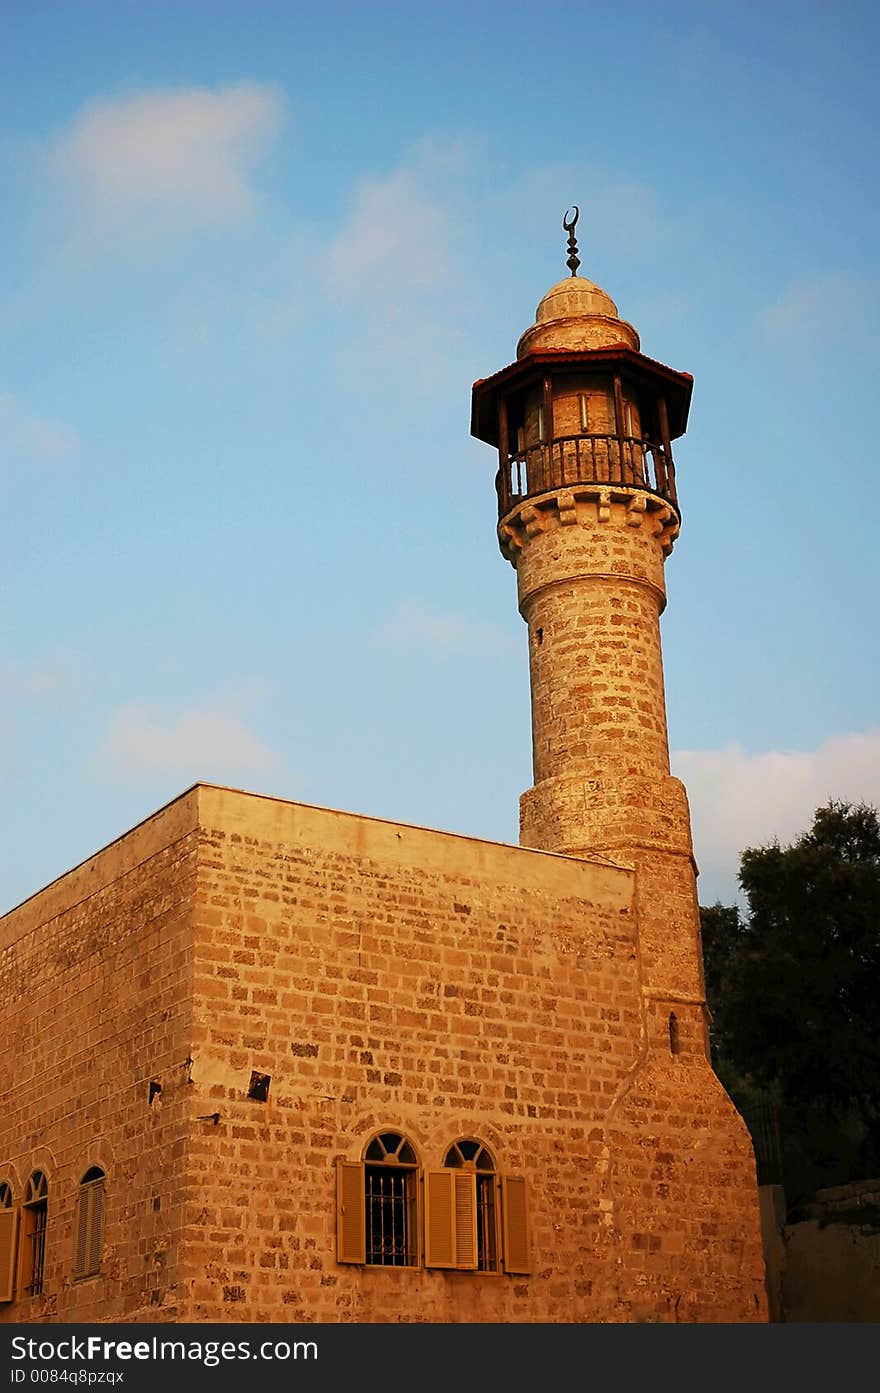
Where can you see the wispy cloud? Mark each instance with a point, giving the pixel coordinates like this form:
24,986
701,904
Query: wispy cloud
52,681
30,691
399,234
196,744
739,799
29,439
161,160
819,305
413,623
396,268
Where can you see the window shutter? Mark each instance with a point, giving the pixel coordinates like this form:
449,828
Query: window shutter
465,1219
89,1229
451,1219
516,1225
83,1207
439,1218
351,1241
96,1227
8,1234
25,1250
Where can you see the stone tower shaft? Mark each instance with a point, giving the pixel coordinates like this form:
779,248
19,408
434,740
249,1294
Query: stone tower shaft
588,512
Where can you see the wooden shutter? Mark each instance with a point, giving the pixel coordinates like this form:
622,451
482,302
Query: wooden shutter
451,1219
8,1235
466,1220
89,1228
516,1224
83,1206
439,1219
351,1233
26,1250
96,1227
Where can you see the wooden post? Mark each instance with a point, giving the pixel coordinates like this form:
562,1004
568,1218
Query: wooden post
548,409
503,456
669,467
547,481
618,425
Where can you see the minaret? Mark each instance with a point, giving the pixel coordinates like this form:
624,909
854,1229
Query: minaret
588,513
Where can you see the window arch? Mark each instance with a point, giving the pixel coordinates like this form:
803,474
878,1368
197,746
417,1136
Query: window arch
32,1246
8,1236
377,1204
89,1223
470,1155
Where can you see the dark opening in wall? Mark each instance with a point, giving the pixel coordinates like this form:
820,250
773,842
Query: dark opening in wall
539,635
155,1089
259,1086
674,1044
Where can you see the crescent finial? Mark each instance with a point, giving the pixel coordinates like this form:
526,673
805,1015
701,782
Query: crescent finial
568,225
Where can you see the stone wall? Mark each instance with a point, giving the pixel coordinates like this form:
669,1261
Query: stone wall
825,1266
386,977
380,978
95,1002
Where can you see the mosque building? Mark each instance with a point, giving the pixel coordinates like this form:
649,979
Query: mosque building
269,1062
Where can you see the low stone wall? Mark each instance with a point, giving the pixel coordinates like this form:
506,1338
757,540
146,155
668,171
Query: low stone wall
825,1267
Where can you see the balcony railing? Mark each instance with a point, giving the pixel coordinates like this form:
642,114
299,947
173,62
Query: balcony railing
586,459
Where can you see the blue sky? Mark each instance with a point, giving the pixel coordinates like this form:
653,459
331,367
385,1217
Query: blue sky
252,258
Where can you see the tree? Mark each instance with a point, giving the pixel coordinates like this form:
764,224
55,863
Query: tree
793,986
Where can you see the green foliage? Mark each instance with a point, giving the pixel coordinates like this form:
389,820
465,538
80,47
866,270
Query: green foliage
792,985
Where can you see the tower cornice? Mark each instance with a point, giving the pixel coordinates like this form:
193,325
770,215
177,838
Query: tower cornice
586,505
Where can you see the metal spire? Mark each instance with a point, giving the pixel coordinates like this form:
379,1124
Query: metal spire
568,225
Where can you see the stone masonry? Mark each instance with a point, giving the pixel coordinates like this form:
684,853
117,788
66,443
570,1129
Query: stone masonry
381,976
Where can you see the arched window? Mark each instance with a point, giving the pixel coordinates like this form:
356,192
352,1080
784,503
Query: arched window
89,1223
8,1235
32,1248
390,1201
475,1219
377,1204
470,1155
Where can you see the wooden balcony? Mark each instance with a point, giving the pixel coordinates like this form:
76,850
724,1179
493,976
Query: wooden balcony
620,460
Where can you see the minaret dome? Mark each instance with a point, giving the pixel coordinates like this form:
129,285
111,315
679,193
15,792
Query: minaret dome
576,313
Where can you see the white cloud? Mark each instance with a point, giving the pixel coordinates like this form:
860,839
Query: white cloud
818,305
396,269
166,158
198,744
27,439
739,800
397,238
51,681
413,623
52,684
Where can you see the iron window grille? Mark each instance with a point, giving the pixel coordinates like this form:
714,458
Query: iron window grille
33,1237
